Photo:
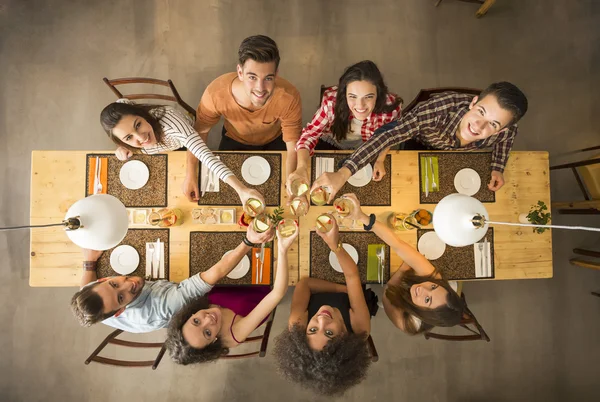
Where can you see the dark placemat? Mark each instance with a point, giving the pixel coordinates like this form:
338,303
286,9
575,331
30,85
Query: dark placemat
136,238
458,263
319,256
153,194
271,189
207,248
449,164
373,194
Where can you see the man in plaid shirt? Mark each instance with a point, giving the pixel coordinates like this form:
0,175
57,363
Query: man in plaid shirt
447,121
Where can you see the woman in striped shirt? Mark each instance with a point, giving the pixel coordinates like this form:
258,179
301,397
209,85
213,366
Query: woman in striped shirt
349,115
156,128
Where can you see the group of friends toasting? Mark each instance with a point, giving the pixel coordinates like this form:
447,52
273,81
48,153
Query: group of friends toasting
325,344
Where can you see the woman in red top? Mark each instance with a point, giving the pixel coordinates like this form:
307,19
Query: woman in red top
349,115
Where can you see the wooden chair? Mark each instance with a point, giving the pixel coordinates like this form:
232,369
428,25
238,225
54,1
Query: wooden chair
112,338
485,6
152,81
580,262
425,94
587,174
264,338
478,333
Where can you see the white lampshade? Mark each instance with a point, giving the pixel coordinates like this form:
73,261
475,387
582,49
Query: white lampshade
452,220
103,222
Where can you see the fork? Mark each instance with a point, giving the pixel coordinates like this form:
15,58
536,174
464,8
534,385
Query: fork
151,250
433,184
480,247
257,257
381,256
98,188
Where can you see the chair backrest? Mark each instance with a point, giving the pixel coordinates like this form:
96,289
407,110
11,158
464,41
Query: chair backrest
112,338
478,333
425,94
152,81
264,338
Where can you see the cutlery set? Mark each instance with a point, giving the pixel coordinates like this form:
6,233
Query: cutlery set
153,255
429,171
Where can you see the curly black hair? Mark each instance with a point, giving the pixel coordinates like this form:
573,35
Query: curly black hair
180,351
342,363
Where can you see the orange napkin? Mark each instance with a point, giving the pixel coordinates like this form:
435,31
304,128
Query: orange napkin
266,273
103,175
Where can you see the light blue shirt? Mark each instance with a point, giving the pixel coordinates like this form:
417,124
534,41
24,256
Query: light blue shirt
157,303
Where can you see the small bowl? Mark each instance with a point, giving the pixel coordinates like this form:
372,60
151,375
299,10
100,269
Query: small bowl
242,221
422,216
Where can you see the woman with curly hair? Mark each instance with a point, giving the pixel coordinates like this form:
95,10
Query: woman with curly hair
417,297
208,327
349,115
325,345
152,129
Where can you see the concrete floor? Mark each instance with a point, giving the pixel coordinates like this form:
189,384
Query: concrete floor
54,54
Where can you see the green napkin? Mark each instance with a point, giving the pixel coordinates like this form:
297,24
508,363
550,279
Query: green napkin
373,262
425,160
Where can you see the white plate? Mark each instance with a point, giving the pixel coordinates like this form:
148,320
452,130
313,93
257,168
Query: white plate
333,260
124,259
467,181
241,269
362,177
134,175
256,170
431,246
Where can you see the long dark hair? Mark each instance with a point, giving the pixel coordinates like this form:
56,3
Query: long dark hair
112,114
181,352
447,315
364,71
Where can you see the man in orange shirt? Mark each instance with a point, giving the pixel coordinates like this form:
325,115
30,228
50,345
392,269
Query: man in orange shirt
263,112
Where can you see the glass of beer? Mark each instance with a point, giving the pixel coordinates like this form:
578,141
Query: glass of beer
299,187
254,207
343,206
324,223
319,196
261,223
299,206
166,217
286,227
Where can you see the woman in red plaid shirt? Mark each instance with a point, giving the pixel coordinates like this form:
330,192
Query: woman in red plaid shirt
349,115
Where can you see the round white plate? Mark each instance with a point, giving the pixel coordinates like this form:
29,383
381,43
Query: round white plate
256,170
335,264
134,175
467,181
362,177
124,259
241,269
431,246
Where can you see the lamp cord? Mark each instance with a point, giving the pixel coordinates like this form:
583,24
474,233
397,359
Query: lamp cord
30,226
546,226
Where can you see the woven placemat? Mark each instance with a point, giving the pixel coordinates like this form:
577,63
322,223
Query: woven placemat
458,263
319,256
373,194
449,164
153,194
207,248
271,189
136,238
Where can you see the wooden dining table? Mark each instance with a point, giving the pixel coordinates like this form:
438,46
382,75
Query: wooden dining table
58,180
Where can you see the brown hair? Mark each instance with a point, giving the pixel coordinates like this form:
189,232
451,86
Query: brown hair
112,114
180,350
448,315
509,97
88,307
259,48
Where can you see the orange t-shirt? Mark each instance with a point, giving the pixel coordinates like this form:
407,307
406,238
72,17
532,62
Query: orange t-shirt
282,114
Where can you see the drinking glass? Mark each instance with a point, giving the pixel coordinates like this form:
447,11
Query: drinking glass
299,187
319,196
343,206
166,217
261,223
299,206
324,223
253,207
402,221
286,227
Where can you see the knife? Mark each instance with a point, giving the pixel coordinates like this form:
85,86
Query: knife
262,262
486,255
157,257
96,175
426,180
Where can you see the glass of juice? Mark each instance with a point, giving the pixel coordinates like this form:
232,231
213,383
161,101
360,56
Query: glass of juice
254,207
324,223
402,221
319,196
261,223
166,217
298,187
343,206
299,206
286,227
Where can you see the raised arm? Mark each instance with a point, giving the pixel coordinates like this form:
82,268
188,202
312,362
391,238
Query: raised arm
244,326
304,288
90,259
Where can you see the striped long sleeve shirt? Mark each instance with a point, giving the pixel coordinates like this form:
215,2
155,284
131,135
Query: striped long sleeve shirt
433,123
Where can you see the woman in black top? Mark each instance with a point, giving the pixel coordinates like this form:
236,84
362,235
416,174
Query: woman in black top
325,345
